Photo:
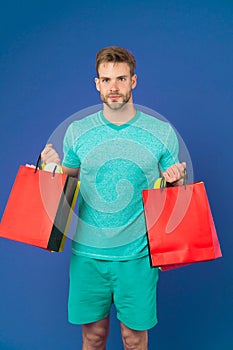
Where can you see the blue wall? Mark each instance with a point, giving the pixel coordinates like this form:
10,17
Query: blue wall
184,55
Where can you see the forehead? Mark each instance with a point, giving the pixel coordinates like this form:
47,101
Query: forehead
111,69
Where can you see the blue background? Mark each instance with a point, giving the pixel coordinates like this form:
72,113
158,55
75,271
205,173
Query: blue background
184,66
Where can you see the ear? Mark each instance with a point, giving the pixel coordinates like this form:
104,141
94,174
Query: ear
134,81
97,84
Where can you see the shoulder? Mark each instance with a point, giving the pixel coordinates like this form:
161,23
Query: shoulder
78,127
154,124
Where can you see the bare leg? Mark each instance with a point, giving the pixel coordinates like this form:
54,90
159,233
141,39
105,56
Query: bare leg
95,335
134,340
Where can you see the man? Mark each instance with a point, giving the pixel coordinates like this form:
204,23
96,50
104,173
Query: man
118,152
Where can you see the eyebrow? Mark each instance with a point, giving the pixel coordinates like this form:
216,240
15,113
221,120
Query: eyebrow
120,76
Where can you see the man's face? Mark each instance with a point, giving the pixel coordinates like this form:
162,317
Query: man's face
115,84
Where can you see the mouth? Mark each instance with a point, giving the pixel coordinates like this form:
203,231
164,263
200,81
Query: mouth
114,97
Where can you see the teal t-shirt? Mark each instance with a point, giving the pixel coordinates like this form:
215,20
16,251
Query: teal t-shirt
116,163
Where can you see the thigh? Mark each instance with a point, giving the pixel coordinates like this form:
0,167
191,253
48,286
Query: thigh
135,294
90,295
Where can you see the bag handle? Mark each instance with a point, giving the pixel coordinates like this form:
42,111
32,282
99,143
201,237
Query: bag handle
185,178
38,162
38,166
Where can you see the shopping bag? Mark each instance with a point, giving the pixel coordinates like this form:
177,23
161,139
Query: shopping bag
39,208
180,226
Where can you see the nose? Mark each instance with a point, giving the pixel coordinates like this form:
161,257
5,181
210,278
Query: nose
114,86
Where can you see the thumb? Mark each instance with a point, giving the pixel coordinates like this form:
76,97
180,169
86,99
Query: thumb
184,164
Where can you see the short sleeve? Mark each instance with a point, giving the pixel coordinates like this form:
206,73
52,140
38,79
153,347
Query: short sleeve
70,145
171,150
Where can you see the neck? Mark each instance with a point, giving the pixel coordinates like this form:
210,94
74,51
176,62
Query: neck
119,116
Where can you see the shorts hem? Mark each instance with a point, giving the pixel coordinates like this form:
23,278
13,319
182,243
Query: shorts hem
139,327
91,320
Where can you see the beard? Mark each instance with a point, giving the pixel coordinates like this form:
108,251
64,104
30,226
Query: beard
115,105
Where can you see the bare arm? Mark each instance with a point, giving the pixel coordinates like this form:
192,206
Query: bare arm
74,172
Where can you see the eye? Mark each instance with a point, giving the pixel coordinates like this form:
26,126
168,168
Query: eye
122,78
105,80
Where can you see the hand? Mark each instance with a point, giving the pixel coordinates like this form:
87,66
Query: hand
49,155
175,174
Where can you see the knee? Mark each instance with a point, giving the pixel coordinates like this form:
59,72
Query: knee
134,340
94,339
133,343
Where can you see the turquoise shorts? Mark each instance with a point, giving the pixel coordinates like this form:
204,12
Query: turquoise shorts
97,284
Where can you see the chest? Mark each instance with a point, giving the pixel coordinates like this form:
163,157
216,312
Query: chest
111,156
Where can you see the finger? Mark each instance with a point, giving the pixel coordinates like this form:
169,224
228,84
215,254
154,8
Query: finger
172,174
52,156
169,176
173,171
48,154
50,151
47,149
53,160
184,164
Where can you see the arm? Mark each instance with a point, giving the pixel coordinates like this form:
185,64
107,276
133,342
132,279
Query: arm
74,172
171,169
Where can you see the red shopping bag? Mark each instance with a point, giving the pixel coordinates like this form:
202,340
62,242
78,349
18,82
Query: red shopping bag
39,208
180,226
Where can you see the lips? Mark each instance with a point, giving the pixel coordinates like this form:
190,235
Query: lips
114,96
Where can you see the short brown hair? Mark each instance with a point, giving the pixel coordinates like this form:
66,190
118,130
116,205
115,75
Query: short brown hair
115,54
